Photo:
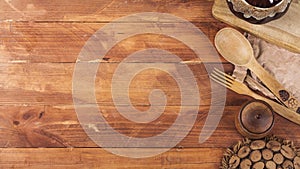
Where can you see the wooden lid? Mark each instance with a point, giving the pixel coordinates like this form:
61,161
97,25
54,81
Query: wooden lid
255,120
257,117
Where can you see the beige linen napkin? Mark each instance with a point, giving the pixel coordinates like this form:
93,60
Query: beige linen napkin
281,63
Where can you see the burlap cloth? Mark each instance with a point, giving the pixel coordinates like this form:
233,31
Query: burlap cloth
281,63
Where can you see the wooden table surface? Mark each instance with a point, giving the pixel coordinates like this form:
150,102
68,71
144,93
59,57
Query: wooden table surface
39,44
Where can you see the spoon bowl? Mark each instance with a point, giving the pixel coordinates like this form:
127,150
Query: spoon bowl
234,47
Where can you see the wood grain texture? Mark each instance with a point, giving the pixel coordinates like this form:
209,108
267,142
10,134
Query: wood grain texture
39,44
91,158
101,10
58,126
283,32
23,42
51,83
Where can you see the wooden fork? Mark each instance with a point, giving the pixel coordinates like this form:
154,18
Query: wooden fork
240,88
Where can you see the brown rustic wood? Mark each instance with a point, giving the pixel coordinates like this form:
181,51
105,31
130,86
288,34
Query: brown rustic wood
287,152
257,144
270,165
297,162
101,10
234,162
51,83
244,152
267,154
258,165
92,158
278,158
246,164
255,122
287,164
39,44
57,126
23,42
260,156
255,156
273,145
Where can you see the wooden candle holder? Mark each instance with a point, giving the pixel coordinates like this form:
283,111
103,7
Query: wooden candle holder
255,120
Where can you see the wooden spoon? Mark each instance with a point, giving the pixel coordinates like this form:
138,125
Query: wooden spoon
235,48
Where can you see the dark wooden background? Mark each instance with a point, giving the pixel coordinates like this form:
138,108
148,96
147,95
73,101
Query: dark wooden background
39,45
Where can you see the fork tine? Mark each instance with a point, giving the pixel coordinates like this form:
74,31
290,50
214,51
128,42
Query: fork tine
224,74
220,80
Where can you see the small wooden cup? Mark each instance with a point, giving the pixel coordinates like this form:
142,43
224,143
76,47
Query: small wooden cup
255,120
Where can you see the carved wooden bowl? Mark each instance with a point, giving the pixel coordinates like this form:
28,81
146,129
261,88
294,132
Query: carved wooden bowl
259,11
255,120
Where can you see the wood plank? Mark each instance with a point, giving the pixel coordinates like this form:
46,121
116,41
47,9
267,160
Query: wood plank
101,10
51,83
39,45
90,158
58,126
62,42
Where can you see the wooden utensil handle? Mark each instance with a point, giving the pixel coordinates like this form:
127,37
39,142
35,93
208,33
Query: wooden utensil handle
276,88
279,109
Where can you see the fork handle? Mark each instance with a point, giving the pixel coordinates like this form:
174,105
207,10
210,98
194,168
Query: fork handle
277,89
279,109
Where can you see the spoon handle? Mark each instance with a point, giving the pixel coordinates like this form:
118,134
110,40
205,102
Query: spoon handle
275,87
